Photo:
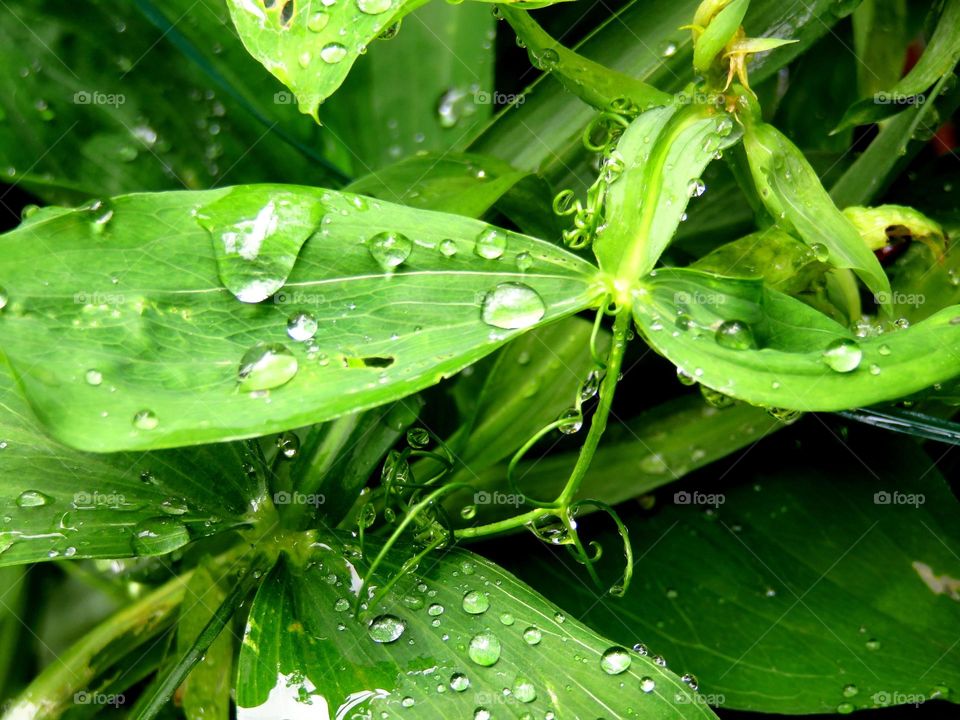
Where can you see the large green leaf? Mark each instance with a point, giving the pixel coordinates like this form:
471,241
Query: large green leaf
831,584
792,192
310,45
756,344
58,503
462,638
664,151
383,301
938,59
85,109
421,91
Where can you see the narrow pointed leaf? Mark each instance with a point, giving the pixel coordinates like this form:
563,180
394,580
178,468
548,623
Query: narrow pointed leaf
305,655
758,345
384,300
719,30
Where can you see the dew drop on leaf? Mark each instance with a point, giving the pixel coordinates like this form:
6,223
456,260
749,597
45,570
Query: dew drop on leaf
302,326
145,420
850,690
390,249
490,243
735,335
873,644
820,252
843,355
507,619
159,535
690,680
4,298
615,660
435,609
93,377
484,648
448,247
333,53
318,21
374,7
475,602
386,628
524,690
570,421
459,682
481,713
32,498
647,684
547,59
266,366
288,445
524,261
696,187
468,512
512,305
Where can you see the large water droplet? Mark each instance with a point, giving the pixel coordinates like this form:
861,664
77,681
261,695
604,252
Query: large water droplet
386,628
333,53
735,335
374,7
570,421
820,252
302,326
32,498
160,535
475,602
490,243
484,648
615,660
843,355
390,249
266,366
512,305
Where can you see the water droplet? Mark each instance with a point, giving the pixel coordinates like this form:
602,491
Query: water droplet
590,386
570,421
266,366
288,444
512,305
160,535
374,7
647,684
685,378
302,326
481,713
843,355
32,498
459,682
524,261
435,609
547,59
448,247
318,21
145,420
408,701
845,708
4,298
304,59
386,628
850,690
524,690
418,437
333,53
491,243
690,680
874,369
475,602
532,635
820,252
93,377
884,350
696,187
735,335
468,512
615,660
507,619
484,648
390,249
174,507
669,50
873,644
559,618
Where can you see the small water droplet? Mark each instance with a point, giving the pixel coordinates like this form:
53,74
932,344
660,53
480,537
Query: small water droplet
524,261
850,690
288,445
843,355
4,298
690,680
318,21
93,377
490,243
845,708
615,660
266,366
547,59
468,512
475,602
341,605
696,187
507,619
820,252
145,420
481,713
512,305
570,421
32,498
408,702
390,249
735,335
532,635
524,690
374,7
333,53
484,648
386,628
435,609
873,644
448,247
459,682
302,326
647,684
159,535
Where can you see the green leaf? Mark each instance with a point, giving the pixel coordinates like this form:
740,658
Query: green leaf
58,503
206,691
399,298
758,345
310,46
305,654
718,30
938,59
595,84
664,151
421,91
882,30
832,582
792,192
